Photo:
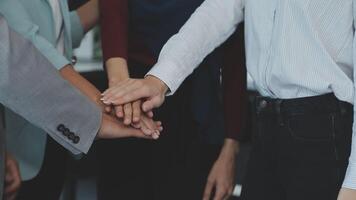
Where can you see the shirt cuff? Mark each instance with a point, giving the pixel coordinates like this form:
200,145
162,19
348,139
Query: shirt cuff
77,29
350,178
169,73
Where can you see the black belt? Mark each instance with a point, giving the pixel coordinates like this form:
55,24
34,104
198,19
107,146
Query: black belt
322,104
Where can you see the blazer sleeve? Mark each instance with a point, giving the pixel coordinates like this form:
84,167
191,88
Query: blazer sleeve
114,28
33,88
27,29
234,86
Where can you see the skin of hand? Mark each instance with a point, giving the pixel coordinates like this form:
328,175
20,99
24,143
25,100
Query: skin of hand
222,175
151,89
109,123
89,14
117,71
347,194
112,129
12,178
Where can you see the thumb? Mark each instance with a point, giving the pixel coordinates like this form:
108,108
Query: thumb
152,103
208,190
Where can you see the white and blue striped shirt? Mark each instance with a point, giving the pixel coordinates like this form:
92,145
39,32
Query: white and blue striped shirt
294,48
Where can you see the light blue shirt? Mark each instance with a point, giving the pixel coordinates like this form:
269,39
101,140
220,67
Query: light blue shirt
24,17
294,48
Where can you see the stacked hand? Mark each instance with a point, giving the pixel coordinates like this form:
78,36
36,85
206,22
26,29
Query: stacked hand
151,89
112,126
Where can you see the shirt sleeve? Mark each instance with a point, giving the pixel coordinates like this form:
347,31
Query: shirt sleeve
77,29
234,86
114,28
22,25
209,26
350,178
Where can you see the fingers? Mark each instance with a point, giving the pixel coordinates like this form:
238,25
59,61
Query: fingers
128,114
119,111
149,114
12,179
222,192
126,93
208,190
136,111
150,104
108,109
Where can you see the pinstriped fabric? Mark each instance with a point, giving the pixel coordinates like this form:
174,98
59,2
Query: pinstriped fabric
294,48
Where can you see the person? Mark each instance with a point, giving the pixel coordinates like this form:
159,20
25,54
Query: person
301,56
67,107
190,157
46,161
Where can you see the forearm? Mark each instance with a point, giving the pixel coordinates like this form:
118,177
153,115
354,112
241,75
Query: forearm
117,70
89,14
186,50
230,148
114,28
78,81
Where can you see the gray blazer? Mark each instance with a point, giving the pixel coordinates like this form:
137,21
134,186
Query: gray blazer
36,16
33,88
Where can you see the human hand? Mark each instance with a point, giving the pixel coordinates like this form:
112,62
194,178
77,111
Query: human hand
222,176
12,178
347,194
151,89
111,128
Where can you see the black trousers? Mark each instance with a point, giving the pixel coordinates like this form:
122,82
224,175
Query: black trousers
48,184
300,149
175,167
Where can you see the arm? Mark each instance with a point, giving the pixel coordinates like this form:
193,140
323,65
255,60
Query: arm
114,30
234,77
88,15
348,191
182,53
222,174
210,25
34,89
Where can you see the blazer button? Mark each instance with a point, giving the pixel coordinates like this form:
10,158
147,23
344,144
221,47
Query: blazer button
71,136
66,132
76,140
61,128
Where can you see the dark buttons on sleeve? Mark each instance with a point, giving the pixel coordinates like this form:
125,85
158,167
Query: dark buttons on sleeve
76,140
66,132
71,136
61,128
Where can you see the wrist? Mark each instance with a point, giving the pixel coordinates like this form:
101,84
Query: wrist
230,148
161,86
117,70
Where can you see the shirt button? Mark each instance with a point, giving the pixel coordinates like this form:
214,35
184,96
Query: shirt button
76,139
61,128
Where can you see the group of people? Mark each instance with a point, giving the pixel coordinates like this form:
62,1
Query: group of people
175,105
